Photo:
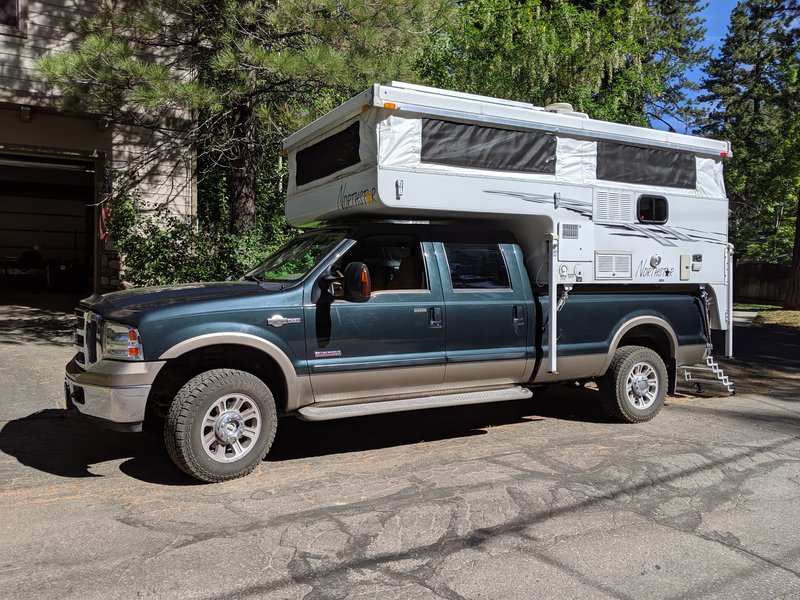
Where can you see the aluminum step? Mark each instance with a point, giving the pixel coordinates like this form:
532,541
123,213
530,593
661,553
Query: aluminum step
714,375
344,411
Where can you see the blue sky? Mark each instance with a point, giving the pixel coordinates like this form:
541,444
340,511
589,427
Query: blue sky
717,15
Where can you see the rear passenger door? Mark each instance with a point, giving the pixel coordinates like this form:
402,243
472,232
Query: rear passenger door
487,314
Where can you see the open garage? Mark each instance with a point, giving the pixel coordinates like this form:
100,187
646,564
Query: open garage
46,221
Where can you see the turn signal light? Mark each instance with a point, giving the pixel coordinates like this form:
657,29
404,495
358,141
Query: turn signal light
365,283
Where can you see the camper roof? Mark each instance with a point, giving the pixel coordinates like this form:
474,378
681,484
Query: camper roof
472,108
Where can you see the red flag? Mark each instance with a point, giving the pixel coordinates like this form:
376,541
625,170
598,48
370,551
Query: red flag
102,222
102,231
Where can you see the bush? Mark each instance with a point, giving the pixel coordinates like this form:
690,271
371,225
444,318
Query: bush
160,249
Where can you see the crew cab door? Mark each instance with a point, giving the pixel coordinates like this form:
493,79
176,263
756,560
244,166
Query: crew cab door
391,345
489,312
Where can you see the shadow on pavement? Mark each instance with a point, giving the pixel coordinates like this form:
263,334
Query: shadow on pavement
67,445
64,444
773,345
302,439
40,318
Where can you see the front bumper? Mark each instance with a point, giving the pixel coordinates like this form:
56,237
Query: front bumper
113,392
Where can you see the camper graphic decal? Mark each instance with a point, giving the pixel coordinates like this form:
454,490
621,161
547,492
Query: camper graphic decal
555,200
645,270
350,200
666,236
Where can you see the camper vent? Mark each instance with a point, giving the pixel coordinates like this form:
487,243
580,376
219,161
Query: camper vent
613,206
612,266
570,231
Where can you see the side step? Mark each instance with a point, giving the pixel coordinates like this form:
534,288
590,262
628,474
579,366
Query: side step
713,369
343,411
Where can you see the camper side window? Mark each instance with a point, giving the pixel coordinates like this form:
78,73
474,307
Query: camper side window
652,209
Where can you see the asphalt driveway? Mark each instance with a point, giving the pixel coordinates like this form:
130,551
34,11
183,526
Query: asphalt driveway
530,499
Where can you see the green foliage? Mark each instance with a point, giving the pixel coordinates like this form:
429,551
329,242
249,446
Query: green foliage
752,87
229,79
161,249
620,60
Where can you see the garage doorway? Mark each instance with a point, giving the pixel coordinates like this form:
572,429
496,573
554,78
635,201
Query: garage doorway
47,217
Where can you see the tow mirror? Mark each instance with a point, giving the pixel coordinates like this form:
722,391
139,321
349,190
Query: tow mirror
357,284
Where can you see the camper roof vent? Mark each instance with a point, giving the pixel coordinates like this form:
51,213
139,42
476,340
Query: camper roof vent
564,108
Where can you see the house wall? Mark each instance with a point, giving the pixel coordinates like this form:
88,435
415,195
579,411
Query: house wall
30,121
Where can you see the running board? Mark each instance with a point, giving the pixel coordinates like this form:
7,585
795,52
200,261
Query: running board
344,411
713,369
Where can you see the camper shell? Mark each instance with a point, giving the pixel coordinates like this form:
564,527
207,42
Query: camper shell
591,202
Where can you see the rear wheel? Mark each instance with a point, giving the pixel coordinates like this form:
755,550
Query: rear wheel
220,425
635,385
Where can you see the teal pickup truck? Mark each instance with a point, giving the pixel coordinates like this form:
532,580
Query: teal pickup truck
366,318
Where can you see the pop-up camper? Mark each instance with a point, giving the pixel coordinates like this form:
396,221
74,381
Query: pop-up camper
460,250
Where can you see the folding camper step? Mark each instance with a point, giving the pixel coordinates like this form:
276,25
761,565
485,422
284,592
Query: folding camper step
711,373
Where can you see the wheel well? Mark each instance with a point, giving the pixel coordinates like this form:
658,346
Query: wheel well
179,370
655,338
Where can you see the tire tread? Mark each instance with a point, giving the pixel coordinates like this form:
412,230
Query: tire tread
610,398
184,408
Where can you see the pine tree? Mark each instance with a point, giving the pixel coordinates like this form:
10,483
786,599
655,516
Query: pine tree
791,103
247,71
621,60
676,48
749,86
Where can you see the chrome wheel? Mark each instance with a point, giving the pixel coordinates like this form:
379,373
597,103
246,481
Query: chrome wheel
635,385
642,385
231,427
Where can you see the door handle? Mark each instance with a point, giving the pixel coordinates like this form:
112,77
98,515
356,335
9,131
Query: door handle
435,317
518,314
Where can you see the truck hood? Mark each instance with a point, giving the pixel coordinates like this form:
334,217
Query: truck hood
127,304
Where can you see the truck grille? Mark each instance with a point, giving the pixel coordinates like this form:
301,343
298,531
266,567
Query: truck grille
85,341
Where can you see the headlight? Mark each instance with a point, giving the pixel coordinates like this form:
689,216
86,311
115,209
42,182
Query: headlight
121,342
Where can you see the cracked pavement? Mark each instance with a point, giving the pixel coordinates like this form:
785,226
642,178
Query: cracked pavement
531,499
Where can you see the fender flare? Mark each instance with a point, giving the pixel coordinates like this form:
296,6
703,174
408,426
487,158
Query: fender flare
296,388
636,322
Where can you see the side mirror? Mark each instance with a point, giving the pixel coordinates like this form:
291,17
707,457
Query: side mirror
357,284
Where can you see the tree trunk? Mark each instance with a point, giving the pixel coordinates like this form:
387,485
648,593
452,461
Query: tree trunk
793,298
244,165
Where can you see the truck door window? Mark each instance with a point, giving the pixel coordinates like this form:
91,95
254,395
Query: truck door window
477,266
395,263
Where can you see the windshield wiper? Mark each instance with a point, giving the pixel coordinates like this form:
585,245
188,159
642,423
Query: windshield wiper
253,278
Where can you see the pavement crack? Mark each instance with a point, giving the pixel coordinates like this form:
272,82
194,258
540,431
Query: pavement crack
724,540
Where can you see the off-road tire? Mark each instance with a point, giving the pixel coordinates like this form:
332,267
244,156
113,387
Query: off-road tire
634,366
187,429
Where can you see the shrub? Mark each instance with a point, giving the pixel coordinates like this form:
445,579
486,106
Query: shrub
159,248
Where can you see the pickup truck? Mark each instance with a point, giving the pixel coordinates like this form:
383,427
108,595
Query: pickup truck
366,318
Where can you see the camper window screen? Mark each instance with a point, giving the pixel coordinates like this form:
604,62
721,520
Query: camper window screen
649,166
462,145
332,154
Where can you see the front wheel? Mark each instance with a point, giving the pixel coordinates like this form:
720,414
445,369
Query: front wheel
635,386
220,425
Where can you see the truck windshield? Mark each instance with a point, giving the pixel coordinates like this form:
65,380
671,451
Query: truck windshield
292,262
